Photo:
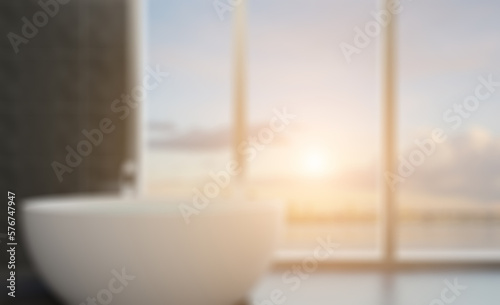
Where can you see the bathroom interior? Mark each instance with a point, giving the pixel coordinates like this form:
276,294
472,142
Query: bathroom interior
224,152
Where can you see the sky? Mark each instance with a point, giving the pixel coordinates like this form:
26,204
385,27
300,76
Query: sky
294,61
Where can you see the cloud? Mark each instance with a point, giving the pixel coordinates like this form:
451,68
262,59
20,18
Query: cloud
467,166
161,126
195,140
198,139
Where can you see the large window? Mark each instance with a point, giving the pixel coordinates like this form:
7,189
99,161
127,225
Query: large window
337,68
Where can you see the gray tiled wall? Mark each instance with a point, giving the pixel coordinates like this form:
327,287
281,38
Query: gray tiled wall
62,81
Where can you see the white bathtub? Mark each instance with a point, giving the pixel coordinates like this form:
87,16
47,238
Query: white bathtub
141,251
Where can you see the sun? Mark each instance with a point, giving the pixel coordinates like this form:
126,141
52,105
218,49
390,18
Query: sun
316,162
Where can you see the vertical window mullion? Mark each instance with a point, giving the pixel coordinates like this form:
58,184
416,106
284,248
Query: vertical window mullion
387,81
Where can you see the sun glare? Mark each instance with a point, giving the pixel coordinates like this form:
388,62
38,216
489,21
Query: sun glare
316,163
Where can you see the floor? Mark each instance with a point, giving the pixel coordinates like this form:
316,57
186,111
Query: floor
422,287
372,287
